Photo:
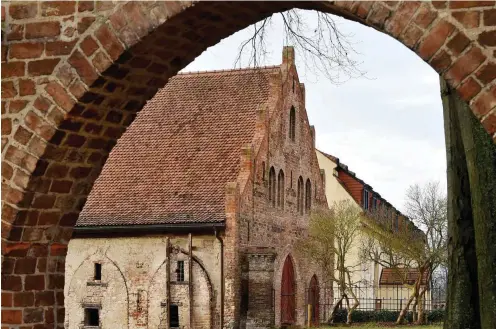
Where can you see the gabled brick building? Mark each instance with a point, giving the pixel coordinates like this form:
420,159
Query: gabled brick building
194,220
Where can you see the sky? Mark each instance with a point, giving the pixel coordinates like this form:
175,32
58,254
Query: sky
387,126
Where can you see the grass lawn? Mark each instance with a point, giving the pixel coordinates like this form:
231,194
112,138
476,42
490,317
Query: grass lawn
385,326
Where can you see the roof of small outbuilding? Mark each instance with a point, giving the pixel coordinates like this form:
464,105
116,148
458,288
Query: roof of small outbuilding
392,276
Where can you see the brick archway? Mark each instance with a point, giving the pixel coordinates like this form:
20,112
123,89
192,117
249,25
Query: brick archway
76,73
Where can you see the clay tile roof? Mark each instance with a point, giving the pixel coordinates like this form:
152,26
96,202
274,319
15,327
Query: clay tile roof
173,162
391,276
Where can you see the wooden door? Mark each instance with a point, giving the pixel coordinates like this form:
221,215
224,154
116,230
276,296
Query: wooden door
288,294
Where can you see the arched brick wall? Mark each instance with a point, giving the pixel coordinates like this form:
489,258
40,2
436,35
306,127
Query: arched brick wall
74,74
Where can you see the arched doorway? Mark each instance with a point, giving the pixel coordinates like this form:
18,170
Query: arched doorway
313,300
288,293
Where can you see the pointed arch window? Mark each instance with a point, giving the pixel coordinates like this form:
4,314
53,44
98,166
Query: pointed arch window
308,196
272,186
300,196
292,123
280,189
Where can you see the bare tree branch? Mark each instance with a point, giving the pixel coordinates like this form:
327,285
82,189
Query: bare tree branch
322,46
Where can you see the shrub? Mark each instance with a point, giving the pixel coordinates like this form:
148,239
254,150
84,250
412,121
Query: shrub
359,316
435,315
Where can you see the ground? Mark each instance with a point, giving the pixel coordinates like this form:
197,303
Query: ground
384,326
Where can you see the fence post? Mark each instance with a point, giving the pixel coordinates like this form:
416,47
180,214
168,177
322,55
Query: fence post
309,315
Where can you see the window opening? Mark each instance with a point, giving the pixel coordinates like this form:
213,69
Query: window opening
98,271
180,271
91,317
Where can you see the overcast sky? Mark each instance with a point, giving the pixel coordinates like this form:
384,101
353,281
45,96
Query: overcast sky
388,127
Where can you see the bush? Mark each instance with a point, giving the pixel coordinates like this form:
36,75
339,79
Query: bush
435,316
359,316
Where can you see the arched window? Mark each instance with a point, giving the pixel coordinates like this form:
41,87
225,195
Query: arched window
299,202
292,123
280,189
313,299
272,186
308,196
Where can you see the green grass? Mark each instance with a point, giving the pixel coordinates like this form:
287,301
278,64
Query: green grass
385,326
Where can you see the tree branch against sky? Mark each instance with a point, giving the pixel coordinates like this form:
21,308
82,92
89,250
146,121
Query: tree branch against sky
319,42
420,245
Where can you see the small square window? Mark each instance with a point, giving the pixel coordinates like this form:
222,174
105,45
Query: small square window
91,317
173,316
98,271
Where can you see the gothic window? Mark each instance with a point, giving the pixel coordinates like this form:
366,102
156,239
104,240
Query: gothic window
280,189
263,171
300,196
292,123
308,196
272,186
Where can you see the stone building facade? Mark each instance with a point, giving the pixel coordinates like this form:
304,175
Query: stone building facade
195,219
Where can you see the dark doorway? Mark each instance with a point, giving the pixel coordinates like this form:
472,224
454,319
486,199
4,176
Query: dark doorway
313,299
288,293
173,316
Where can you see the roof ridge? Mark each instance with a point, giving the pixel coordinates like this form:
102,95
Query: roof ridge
240,70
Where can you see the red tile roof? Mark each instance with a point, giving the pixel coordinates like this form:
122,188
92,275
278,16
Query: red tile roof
173,162
391,276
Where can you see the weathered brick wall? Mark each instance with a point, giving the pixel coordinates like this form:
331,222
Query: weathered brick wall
75,74
281,226
133,288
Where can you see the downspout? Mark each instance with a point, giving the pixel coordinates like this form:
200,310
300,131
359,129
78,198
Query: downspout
221,324
190,278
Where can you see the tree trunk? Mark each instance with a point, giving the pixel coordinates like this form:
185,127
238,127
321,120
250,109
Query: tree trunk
420,319
462,308
414,309
355,304
403,312
480,153
333,312
420,314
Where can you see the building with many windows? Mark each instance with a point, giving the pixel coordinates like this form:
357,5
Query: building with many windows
194,220
376,287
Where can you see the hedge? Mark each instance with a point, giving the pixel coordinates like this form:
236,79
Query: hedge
384,316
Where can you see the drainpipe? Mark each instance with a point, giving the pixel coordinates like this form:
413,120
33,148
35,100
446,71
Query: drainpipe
221,325
190,278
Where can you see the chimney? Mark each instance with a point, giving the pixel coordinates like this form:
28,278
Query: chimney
288,56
